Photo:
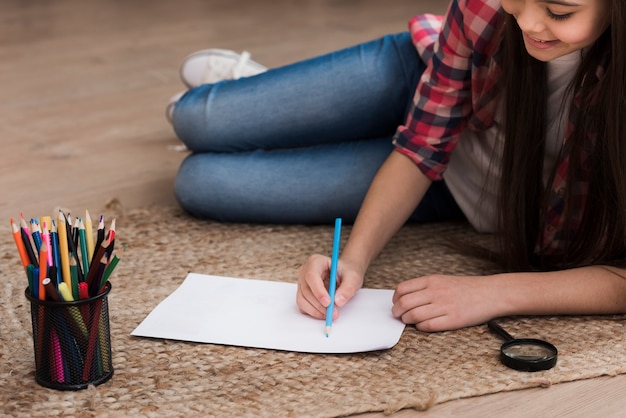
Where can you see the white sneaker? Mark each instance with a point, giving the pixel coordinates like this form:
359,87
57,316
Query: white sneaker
169,109
169,112
212,65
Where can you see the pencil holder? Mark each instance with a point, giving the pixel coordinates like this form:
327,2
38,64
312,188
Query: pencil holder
72,341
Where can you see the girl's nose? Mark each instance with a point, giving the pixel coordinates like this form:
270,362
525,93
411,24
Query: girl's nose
530,18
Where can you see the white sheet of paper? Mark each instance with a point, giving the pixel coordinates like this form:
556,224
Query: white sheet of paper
263,314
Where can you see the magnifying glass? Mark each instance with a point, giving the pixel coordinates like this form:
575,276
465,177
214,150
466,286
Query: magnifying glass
525,354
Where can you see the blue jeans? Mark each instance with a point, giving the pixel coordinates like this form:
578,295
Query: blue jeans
300,143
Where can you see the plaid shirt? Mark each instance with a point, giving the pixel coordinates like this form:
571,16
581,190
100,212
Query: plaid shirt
458,91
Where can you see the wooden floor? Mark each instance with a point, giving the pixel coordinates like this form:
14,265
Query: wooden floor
84,85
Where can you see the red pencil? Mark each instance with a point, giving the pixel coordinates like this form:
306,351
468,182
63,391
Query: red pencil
83,290
112,231
93,335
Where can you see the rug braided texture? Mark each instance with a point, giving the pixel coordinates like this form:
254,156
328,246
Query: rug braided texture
157,378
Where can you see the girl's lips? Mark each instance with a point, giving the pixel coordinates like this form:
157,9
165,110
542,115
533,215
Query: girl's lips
538,43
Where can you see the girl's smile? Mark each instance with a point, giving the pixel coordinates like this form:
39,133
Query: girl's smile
554,28
538,43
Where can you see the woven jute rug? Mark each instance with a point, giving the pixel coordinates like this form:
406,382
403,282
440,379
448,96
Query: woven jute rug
158,247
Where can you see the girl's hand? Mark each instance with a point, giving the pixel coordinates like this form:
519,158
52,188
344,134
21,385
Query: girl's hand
440,302
313,298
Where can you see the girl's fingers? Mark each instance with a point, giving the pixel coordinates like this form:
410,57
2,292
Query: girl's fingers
312,297
347,288
308,304
409,286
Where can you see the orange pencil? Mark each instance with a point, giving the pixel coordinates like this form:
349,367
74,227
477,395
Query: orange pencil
20,244
45,238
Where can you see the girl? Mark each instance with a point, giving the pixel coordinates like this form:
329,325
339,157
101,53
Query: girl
516,123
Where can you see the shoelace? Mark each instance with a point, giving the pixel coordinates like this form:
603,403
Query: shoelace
241,63
235,71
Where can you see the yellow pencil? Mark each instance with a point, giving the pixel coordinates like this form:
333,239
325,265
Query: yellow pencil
63,249
45,220
89,235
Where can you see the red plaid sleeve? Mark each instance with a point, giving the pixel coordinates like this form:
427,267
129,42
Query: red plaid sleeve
443,98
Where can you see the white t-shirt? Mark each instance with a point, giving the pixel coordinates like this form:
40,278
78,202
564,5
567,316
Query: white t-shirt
473,177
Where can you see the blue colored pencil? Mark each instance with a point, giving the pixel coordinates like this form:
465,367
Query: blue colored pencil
56,256
332,286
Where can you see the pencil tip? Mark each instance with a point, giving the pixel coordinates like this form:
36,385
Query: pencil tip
327,332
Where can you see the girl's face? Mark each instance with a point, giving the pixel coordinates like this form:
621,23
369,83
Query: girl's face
553,28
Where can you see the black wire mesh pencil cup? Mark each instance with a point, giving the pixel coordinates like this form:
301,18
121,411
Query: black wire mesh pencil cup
72,341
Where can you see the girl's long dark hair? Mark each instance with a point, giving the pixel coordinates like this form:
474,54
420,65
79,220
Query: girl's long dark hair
601,235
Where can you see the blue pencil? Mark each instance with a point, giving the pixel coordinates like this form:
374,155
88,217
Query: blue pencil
56,256
34,226
333,276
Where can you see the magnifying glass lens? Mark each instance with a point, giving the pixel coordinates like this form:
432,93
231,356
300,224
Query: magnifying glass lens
528,352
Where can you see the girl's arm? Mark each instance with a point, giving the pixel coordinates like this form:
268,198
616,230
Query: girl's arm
394,194
440,302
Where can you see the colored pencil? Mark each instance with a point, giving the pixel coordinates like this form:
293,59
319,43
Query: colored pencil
17,237
26,229
43,271
29,247
45,238
35,233
84,252
56,256
94,285
75,233
89,236
73,250
111,237
83,292
107,272
64,250
93,335
74,278
99,236
30,274
51,290
56,358
96,259
333,276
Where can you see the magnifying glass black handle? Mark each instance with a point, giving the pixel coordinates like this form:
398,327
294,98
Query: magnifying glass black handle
526,354
499,330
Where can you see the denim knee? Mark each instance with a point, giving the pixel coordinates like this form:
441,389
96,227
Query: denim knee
188,186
